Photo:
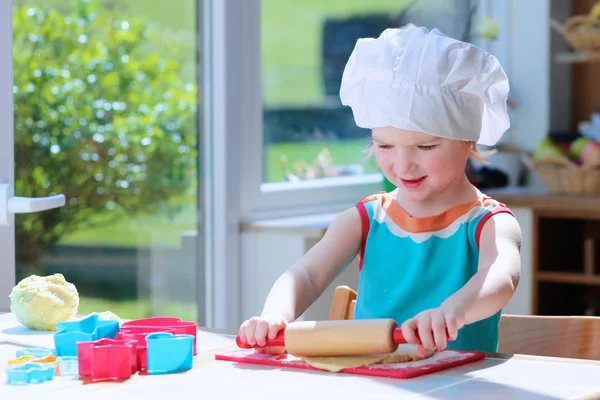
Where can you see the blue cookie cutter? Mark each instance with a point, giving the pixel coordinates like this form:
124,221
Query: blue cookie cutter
68,365
24,374
35,352
88,329
168,353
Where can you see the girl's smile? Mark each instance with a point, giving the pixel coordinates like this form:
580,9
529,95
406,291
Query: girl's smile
412,183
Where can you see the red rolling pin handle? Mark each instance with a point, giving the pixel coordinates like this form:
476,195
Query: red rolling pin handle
398,336
279,340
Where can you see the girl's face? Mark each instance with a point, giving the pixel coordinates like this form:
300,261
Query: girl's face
419,164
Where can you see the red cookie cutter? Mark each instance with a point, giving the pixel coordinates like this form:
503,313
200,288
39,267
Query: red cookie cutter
176,324
107,359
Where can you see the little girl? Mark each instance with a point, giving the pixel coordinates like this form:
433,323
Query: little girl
436,255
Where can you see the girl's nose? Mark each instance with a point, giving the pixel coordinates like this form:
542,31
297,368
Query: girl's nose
403,166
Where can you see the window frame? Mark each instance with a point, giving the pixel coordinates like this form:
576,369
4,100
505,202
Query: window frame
259,200
7,233
225,112
280,199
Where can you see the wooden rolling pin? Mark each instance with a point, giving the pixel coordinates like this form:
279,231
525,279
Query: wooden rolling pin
336,337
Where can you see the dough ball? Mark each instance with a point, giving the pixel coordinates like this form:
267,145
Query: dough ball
39,302
107,315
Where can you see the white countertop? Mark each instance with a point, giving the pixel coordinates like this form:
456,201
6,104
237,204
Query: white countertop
517,377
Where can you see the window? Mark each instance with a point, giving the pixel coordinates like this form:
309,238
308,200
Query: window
311,148
106,112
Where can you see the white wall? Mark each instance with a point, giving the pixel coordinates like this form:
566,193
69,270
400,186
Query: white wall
267,254
528,67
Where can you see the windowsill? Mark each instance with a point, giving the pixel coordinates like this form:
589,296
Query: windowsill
331,182
311,225
306,197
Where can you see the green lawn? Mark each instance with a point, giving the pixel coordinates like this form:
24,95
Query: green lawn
342,153
142,231
134,309
158,229
291,44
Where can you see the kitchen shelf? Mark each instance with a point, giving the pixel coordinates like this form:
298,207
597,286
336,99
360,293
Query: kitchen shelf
569,277
567,267
563,232
578,57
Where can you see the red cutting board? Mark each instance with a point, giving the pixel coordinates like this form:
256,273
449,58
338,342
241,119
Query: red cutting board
438,362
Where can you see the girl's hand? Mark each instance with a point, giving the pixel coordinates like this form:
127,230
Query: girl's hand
257,329
432,329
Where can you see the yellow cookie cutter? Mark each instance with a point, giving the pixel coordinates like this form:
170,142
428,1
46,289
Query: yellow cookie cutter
32,359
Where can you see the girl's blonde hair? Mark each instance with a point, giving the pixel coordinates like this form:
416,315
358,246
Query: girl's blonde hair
477,154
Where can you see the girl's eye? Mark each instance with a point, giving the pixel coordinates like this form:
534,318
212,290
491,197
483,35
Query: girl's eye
430,147
384,146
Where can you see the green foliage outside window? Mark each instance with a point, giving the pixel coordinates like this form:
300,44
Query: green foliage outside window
100,116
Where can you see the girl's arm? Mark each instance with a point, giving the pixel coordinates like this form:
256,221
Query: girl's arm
486,293
297,288
496,280
306,280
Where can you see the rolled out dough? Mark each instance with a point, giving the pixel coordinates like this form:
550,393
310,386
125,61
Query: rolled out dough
404,353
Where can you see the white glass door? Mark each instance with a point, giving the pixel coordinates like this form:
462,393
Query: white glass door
99,125
7,232
10,205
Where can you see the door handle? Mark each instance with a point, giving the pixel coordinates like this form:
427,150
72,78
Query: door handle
11,205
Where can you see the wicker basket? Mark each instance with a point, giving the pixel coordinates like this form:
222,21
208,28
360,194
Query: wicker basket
581,31
561,175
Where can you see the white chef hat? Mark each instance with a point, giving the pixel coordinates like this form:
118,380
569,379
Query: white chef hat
421,80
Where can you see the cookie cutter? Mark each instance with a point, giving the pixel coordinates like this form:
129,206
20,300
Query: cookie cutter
138,334
68,365
32,359
178,326
35,352
28,359
21,360
107,359
87,329
169,353
24,374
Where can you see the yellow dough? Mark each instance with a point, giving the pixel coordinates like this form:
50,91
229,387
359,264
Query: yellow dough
39,302
404,353
106,315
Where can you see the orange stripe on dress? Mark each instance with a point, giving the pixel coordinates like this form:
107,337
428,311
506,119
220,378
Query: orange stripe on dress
428,224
